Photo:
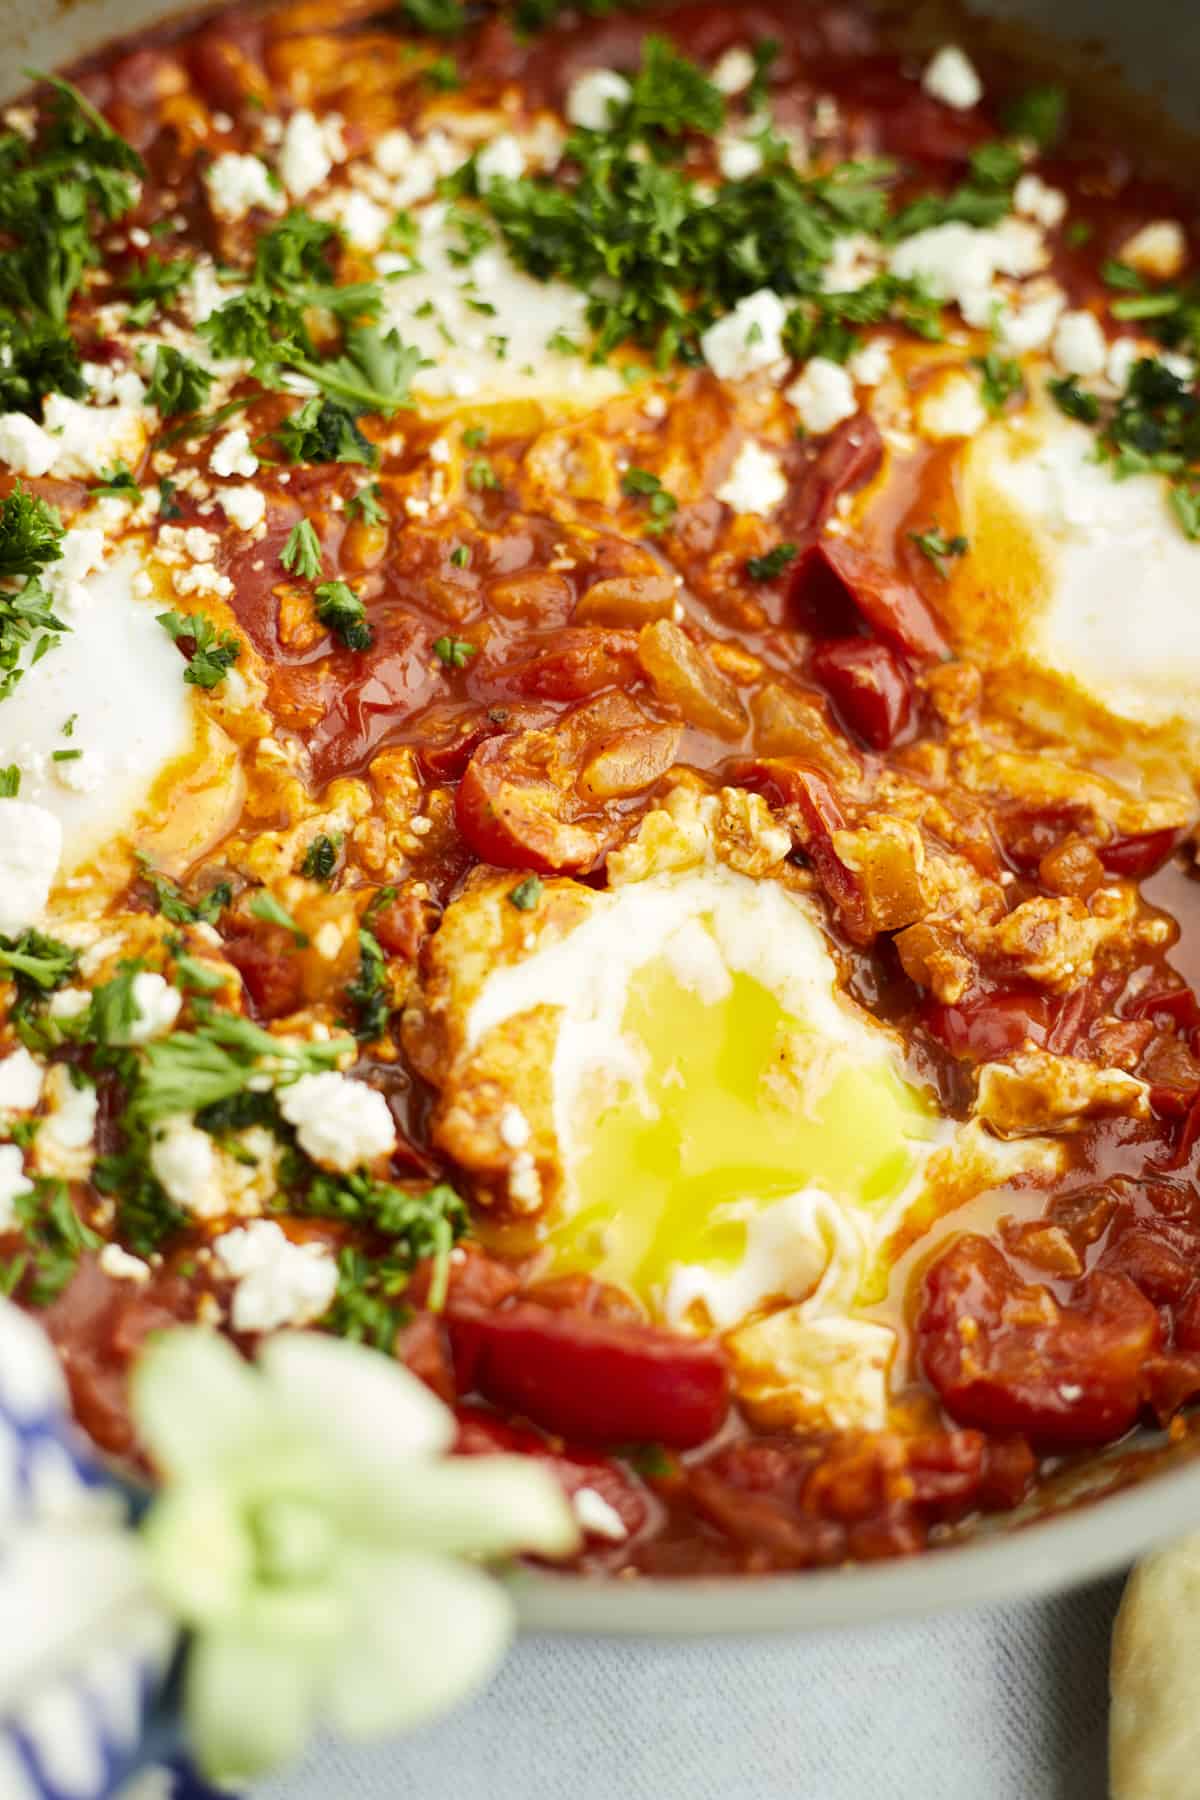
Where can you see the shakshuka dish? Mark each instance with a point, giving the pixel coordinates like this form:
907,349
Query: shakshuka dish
599,733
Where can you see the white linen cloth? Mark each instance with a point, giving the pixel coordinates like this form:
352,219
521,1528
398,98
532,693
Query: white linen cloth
1006,1703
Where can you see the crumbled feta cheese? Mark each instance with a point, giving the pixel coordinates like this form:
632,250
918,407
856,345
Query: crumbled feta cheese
24,446
854,260
232,455
20,1082
82,552
1029,325
951,78
14,1184
872,364
304,155
278,1282
514,1128
1039,201
63,1146
203,293
245,507
68,1003
119,1265
112,385
747,339
598,1517
594,97
88,440
951,409
155,1007
30,848
823,395
501,160
959,262
1079,346
756,483
364,221
1158,249
201,578
82,772
734,71
738,157
340,1123
184,1160
236,183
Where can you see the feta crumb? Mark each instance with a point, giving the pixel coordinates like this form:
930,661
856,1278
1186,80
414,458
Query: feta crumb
236,183
364,222
184,1160
30,848
14,1184
24,446
1030,324
83,773
1079,346
734,71
304,159
63,1146
119,1265
156,1007
952,409
738,157
1158,249
823,395
340,1123
747,339
951,78
756,483
232,455
594,97
598,1516
501,160
245,507
20,1082
278,1282
872,364
68,1003
1039,201
90,439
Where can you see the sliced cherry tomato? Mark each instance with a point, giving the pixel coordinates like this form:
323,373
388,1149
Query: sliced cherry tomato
869,685
270,970
516,806
787,781
833,573
991,1026
1006,1355
845,460
1137,856
481,1434
598,1380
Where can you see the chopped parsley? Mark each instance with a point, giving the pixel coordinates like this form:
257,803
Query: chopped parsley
481,475
340,608
526,895
168,508
454,653
368,992
155,284
938,548
365,505
118,483
174,905
301,555
416,1225
441,18
31,533
1000,379
266,907
982,199
773,563
55,1238
661,506
1038,114
460,556
178,384
323,431
188,1070
212,654
320,859
1075,401
38,964
10,782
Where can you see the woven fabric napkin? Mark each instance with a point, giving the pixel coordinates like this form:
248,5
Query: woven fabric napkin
1004,1703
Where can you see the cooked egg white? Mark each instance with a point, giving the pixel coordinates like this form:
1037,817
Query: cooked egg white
107,736
1084,582
734,1134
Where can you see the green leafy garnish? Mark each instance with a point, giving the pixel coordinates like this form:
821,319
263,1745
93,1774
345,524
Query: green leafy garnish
31,533
188,1070
415,1225
301,555
37,963
773,563
1000,379
174,905
213,653
454,653
117,482
1075,401
368,992
1038,114
55,1239
320,859
10,782
323,431
526,894
938,548
365,505
179,384
340,608
661,506
155,284
266,907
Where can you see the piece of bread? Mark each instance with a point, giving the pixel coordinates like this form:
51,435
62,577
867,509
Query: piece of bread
1154,1728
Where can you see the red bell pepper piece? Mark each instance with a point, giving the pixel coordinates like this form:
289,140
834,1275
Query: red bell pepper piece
594,1380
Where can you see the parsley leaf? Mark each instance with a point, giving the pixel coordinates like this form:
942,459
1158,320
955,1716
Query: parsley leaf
188,1070
1039,114
31,533
174,905
266,907
1075,401
442,18
340,608
934,544
526,894
773,563
178,383
37,963
368,992
324,431
154,284
212,653
320,859
1000,379
454,653
372,374
118,482
416,1225
365,505
660,505
37,357
301,555
55,1238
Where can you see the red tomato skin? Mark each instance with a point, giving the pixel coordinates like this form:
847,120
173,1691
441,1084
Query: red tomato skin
595,1380
869,685
834,577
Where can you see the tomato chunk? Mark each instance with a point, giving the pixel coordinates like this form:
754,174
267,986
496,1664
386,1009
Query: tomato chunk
832,573
869,685
598,1380
846,459
480,1434
1005,1355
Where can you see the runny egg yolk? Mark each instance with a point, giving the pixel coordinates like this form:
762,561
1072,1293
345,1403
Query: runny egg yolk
739,1104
